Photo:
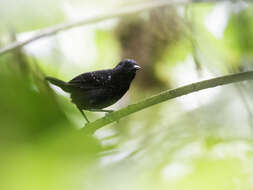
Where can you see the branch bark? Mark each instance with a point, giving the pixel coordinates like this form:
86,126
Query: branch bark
62,27
164,96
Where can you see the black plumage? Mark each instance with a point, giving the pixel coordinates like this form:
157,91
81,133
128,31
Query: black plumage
96,90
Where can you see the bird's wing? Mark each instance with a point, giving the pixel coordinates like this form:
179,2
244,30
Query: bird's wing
92,80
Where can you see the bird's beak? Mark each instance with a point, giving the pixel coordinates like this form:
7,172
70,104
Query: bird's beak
137,67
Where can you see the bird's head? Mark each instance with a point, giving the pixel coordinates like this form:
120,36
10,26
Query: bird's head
127,66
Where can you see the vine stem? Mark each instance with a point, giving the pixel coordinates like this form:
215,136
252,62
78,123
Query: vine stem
113,14
164,96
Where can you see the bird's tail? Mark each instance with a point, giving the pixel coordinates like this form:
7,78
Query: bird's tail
63,85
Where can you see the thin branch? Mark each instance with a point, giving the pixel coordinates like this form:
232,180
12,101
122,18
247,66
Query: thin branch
62,27
166,95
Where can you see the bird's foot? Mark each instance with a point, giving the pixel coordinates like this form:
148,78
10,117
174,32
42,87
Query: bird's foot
101,110
108,112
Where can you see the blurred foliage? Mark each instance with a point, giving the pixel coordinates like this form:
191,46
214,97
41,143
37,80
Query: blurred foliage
26,15
146,39
201,141
239,36
37,143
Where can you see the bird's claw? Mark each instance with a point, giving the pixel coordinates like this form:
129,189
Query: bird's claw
108,113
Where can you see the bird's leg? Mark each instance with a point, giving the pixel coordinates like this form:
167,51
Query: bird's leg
101,110
83,114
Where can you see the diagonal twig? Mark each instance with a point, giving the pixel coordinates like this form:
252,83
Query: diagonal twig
166,95
62,27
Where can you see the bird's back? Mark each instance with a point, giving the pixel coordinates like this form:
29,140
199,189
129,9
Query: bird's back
95,90
92,79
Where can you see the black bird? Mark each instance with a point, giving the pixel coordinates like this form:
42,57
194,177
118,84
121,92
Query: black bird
96,90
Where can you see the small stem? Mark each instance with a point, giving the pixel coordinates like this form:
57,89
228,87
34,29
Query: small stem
166,95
